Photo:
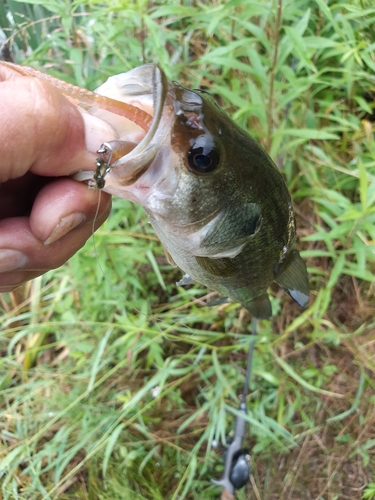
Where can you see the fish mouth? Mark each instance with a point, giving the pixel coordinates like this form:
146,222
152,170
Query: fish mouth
146,88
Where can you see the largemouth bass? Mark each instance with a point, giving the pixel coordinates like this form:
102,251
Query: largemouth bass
215,198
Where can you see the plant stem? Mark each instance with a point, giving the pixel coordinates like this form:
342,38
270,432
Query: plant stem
272,76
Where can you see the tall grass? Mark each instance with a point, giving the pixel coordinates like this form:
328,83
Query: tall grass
115,382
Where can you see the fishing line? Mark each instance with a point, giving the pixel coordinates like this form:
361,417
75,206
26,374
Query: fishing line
95,219
97,256
103,166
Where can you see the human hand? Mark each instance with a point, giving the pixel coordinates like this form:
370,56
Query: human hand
45,216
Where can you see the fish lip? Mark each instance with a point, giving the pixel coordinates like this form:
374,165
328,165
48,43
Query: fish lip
143,84
127,170
160,88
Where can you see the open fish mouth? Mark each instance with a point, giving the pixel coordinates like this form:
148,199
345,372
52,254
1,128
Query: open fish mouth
126,159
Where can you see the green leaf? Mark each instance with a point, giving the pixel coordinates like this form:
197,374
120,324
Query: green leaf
289,371
311,134
363,183
300,49
98,357
364,105
111,443
156,268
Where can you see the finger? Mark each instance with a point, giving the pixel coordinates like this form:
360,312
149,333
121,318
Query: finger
44,132
23,256
63,205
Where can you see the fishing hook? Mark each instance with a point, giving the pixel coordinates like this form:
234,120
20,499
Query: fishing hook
236,459
103,166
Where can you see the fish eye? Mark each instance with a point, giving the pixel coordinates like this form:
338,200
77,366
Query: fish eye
201,161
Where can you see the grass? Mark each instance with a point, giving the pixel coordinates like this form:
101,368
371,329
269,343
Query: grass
114,382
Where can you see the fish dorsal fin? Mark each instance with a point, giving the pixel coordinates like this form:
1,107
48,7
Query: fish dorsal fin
293,278
218,267
260,307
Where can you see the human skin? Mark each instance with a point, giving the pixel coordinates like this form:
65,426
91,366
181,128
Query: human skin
45,216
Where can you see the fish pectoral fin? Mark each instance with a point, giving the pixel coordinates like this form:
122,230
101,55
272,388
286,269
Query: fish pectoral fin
218,267
293,278
185,280
231,253
260,307
169,257
232,230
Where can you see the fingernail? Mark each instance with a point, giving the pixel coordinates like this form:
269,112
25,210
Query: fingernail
10,260
65,225
97,132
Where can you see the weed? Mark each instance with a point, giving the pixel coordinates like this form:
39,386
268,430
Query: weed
113,385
